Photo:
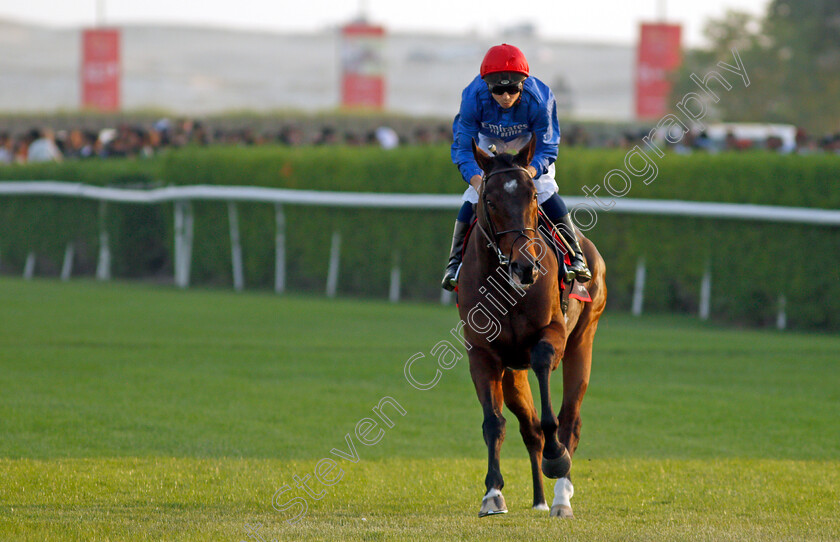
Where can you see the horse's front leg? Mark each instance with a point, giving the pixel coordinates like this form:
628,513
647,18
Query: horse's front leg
518,399
545,357
577,362
487,377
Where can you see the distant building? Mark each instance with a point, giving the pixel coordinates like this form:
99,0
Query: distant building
200,70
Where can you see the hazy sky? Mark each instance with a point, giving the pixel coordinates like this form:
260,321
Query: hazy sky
604,20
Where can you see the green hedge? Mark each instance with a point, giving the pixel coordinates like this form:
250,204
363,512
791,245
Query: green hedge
752,263
46,225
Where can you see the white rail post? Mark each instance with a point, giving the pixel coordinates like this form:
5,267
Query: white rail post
103,266
280,249
445,297
67,266
781,317
706,293
178,226
183,242
188,241
29,266
179,244
332,273
639,288
235,248
394,290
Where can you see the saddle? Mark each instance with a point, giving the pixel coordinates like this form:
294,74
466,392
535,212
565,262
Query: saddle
573,290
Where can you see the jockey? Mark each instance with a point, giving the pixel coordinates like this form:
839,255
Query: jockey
502,106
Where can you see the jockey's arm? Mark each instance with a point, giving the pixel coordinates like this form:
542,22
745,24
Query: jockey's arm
546,128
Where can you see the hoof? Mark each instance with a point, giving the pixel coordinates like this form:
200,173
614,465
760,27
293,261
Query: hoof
493,503
561,511
558,467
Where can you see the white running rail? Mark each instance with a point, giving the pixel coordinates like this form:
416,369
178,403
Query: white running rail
738,211
183,195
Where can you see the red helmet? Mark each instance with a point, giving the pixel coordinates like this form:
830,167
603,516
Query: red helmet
504,59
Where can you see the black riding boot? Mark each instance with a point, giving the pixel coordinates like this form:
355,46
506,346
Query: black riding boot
578,265
450,277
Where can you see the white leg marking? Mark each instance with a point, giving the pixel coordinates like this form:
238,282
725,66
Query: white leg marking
563,491
492,493
541,507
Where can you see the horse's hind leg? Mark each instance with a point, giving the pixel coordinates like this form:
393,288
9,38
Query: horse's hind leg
487,378
556,461
518,399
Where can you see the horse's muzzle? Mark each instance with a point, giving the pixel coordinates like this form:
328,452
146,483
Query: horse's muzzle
523,272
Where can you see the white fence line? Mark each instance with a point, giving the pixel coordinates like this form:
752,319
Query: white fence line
182,196
738,211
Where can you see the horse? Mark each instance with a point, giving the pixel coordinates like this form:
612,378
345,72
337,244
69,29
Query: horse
509,299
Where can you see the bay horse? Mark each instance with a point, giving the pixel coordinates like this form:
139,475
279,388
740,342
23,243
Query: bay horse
510,301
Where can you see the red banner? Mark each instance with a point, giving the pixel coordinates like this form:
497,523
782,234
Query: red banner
658,54
101,69
362,66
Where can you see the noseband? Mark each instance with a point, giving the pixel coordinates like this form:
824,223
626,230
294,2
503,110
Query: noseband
493,238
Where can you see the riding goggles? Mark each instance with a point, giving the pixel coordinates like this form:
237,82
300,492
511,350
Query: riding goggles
510,89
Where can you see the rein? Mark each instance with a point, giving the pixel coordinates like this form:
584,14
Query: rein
493,237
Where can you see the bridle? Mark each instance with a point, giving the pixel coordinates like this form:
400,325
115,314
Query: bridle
494,236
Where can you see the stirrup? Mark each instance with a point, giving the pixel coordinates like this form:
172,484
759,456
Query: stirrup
568,273
450,279
582,273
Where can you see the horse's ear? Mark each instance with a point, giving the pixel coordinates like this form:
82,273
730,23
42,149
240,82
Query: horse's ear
484,160
524,156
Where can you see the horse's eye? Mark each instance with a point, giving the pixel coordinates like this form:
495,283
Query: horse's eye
535,197
491,204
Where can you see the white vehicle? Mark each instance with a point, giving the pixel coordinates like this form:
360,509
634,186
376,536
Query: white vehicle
757,133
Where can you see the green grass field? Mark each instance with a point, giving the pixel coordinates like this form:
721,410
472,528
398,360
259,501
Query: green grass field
134,412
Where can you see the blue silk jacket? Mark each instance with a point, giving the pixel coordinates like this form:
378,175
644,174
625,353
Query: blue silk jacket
535,111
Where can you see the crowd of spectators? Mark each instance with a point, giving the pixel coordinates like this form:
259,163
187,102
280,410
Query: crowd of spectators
702,141
137,141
